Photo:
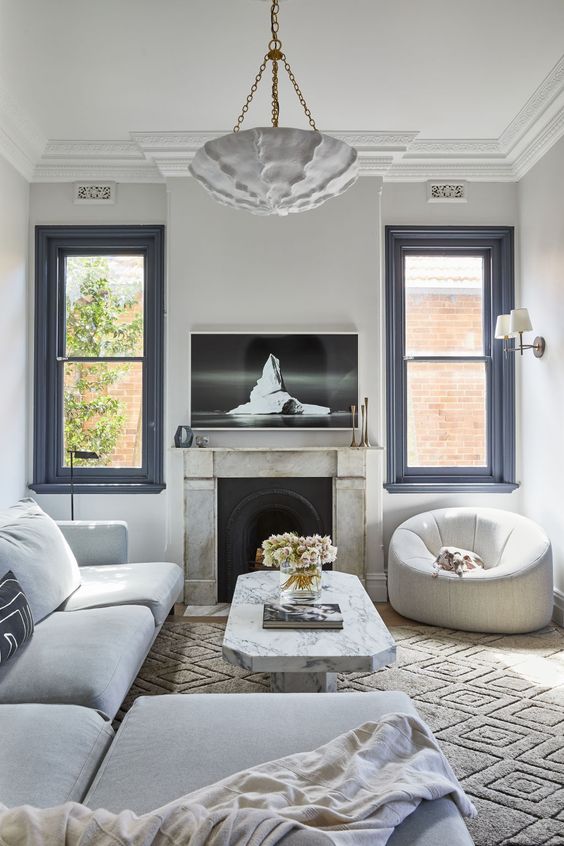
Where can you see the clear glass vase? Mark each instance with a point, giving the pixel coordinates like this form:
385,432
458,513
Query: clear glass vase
299,584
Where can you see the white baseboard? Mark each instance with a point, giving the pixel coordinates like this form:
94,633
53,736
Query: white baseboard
377,586
558,612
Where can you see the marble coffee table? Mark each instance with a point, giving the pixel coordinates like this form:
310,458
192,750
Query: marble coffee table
306,660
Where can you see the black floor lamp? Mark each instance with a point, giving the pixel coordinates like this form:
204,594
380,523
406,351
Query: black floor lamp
77,453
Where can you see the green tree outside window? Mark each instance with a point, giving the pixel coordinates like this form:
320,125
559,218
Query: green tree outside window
104,319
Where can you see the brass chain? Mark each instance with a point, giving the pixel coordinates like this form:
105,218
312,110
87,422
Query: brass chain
297,89
274,55
275,100
274,25
249,99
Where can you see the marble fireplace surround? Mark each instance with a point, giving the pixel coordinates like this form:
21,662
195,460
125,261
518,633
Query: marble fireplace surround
347,467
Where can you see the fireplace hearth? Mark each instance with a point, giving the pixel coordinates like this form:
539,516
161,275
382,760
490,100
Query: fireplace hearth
249,510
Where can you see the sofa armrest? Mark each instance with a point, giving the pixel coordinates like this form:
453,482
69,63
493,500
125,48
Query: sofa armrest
96,542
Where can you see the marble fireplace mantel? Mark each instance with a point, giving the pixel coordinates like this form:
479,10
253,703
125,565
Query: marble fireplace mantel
347,467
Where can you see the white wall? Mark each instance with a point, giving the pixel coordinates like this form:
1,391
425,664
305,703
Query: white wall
14,196
541,195
489,204
230,270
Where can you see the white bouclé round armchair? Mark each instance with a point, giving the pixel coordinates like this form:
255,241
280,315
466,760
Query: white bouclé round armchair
512,594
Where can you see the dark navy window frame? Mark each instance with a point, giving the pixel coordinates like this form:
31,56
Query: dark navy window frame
495,245
52,245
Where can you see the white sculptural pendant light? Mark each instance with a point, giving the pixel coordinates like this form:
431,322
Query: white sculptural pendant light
275,170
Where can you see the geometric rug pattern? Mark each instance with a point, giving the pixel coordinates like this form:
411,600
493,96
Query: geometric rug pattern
494,702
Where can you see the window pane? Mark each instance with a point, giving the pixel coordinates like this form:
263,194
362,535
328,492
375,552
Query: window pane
104,305
444,305
446,414
103,412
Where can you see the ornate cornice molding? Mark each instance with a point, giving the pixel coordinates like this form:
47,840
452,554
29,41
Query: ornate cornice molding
394,155
409,170
455,148
92,150
192,141
532,112
66,171
21,141
376,140
163,141
541,144
120,161
371,165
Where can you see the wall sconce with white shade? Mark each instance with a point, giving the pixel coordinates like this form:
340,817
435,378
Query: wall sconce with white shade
512,325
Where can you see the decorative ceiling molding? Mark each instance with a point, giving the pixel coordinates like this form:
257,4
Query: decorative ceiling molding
172,152
534,109
409,170
92,150
21,141
394,155
540,145
119,161
456,148
168,141
399,141
65,171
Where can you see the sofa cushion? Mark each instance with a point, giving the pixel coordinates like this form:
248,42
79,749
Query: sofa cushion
86,658
49,753
32,546
435,823
156,585
16,620
147,766
220,734
96,542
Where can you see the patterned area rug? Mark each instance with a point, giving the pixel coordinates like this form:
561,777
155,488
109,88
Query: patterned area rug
495,703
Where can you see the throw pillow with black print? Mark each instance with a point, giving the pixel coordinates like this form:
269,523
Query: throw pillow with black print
16,622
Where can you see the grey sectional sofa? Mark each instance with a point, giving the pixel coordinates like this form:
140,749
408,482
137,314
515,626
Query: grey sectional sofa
88,653
170,745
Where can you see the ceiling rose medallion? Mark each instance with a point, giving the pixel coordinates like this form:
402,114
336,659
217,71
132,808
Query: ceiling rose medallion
273,169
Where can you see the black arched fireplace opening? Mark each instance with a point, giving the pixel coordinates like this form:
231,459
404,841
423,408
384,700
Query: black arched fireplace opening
249,510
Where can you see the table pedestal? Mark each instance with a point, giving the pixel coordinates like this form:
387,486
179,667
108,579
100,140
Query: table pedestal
303,682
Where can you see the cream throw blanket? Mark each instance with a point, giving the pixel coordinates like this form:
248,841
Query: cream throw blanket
356,789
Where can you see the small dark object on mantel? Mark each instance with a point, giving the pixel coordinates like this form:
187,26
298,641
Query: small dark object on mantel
202,441
183,437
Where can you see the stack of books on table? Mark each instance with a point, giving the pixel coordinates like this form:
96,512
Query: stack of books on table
286,616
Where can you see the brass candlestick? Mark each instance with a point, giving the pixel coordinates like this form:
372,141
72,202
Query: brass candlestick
353,412
365,439
362,425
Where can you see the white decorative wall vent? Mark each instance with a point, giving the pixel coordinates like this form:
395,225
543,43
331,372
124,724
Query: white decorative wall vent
94,192
446,192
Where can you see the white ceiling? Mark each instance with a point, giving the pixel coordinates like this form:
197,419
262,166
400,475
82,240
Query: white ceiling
445,69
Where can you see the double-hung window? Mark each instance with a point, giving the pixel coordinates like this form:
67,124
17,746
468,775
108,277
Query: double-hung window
99,315
450,387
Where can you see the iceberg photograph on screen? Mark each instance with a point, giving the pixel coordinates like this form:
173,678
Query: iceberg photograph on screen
273,381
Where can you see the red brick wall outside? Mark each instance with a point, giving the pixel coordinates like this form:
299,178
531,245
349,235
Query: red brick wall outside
446,402
128,389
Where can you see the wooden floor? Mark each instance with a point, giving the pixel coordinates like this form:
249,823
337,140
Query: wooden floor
387,613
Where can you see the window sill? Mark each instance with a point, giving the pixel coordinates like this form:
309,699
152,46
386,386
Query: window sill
97,488
450,487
